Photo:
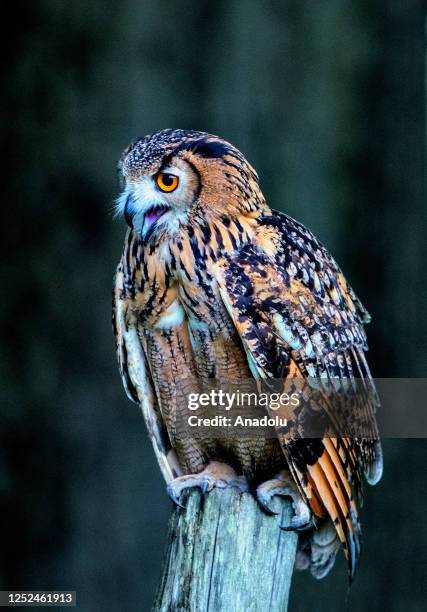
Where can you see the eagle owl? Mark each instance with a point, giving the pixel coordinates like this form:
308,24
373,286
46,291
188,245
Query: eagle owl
213,283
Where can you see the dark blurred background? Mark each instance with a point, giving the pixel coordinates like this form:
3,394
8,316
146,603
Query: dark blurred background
327,100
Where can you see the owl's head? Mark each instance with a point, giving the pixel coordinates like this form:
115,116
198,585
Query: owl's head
177,177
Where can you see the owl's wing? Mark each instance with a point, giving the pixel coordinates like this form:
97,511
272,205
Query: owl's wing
137,381
297,316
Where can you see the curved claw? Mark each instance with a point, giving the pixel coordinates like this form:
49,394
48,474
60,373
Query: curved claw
302,519
174,497
204,486
283,485
297,525
264,503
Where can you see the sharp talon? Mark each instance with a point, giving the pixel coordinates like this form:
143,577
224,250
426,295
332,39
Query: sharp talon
264,505
269,511
296,527
283,485
173,497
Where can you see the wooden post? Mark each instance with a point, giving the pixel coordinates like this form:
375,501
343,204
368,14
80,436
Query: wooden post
224,554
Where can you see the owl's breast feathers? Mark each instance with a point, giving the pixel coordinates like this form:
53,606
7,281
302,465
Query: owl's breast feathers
240,297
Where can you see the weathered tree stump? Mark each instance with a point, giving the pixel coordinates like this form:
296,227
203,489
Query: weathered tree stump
224,554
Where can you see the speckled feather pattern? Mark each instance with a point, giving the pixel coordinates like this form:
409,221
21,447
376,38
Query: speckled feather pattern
252,293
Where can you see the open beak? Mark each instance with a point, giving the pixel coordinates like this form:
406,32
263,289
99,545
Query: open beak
152,215
147,220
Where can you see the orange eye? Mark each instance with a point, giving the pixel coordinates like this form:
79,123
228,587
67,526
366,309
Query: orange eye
167,182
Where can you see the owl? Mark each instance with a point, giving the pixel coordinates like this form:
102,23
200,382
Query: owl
214,284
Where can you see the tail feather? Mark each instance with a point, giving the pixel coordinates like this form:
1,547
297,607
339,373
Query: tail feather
327,482
340,519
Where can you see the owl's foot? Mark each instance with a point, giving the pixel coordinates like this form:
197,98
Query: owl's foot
219,475
283,485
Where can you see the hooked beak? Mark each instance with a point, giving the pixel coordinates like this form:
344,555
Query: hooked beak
129,212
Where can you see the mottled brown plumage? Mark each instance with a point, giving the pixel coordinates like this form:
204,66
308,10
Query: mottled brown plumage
214,284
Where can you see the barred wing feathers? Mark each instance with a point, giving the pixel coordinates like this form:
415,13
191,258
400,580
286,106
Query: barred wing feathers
297,316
